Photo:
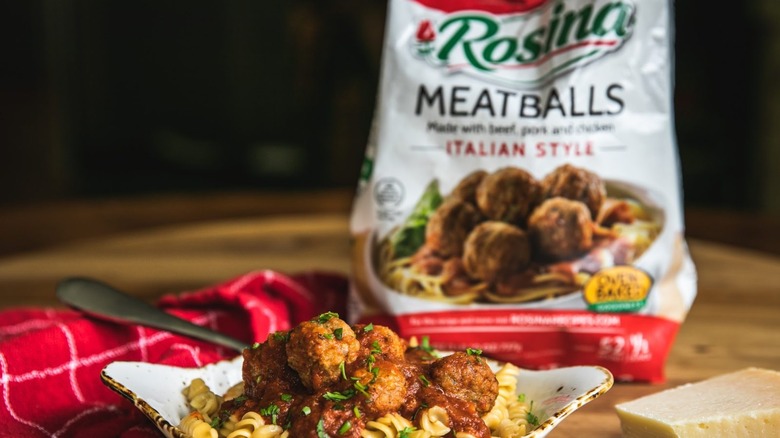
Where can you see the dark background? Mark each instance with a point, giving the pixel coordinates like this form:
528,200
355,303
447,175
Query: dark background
125,98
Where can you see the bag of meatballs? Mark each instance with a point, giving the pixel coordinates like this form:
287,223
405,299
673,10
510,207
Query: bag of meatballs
520,191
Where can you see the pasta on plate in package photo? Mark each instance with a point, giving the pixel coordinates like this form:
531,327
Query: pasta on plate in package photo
521,187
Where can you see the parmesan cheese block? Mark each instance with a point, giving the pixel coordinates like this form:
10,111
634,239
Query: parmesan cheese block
745,403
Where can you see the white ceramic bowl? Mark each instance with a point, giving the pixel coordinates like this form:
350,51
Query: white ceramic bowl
156,389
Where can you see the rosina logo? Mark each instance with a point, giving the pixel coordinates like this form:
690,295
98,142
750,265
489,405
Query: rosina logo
525,50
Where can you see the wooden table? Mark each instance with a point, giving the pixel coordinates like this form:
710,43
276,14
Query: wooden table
733,323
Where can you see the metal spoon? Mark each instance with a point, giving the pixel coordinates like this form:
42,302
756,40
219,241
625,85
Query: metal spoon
104,302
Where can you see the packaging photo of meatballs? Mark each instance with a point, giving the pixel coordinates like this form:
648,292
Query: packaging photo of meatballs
521,191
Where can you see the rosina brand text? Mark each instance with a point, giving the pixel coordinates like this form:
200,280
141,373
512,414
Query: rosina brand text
482,44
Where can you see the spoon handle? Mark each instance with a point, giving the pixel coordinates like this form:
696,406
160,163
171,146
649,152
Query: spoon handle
102,301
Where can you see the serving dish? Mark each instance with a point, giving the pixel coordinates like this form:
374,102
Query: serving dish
156,389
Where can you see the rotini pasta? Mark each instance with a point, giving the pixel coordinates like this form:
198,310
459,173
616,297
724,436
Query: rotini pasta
434,421
252,425
194,426
234,391
201,398
391,426
508,429
228,426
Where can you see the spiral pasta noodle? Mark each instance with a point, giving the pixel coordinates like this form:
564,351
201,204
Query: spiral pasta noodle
228,426
507,388
194,426
435,421
234,391
252,425
497,414
509,416
201,398
390,426
507,428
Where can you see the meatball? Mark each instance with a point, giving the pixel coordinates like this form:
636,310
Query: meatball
317,348
384,387
466,189
560,229
379,341
449,225
577,184
494,250
508,195
265,367
467,377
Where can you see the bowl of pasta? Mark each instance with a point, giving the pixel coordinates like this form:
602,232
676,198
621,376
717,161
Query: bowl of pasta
361,382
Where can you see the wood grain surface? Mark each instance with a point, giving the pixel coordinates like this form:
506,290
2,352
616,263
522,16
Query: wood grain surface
733,323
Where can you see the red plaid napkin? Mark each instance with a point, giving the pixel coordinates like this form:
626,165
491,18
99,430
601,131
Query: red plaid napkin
50,360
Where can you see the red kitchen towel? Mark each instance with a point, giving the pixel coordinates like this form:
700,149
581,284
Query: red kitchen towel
50,360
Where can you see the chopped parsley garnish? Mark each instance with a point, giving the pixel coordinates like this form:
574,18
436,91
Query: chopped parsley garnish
532,419
424,380
240,399
370,360
530,416
338,333
281,336
325,317
327,336
369,327
473,351
255,346
343,369
321,429
270,411
306,410
216,423
426,344
345,428
338,396
376,348
406,431
285,397
521,397
361,388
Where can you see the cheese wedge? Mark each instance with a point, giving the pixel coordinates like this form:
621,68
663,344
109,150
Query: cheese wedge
745,403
